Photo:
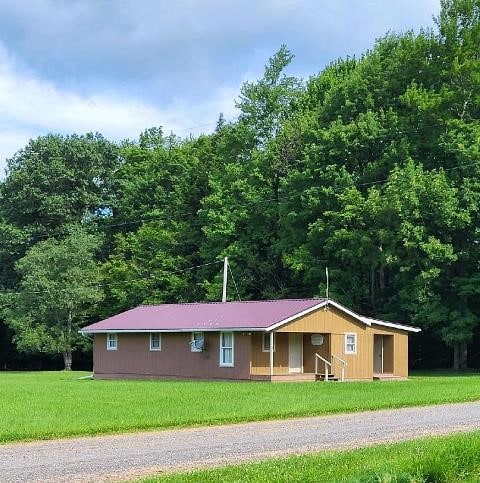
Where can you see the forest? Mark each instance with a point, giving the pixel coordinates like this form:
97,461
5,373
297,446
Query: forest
370,167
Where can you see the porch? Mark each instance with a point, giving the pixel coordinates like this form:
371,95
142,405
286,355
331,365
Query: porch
294,356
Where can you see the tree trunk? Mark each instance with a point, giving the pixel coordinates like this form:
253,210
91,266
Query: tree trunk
67,353
381,272
372,287
463,353
460,353
67,360
456,363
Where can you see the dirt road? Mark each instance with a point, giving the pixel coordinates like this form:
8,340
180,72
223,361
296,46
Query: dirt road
126,456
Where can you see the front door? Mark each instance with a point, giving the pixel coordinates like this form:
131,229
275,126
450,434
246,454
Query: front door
378,354
295,352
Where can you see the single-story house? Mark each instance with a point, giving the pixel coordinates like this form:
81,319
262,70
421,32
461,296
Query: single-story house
274,340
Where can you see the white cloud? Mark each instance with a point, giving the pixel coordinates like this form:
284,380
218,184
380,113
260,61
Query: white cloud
30,107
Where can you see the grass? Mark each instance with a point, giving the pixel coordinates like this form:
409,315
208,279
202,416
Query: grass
445,459
47,405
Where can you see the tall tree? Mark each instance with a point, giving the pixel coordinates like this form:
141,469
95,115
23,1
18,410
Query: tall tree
58,180
240,214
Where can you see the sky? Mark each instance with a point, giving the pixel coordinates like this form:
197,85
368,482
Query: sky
120,66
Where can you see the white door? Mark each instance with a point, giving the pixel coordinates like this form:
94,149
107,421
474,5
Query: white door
295,352
378,354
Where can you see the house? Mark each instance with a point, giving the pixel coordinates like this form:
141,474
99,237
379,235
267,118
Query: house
273,340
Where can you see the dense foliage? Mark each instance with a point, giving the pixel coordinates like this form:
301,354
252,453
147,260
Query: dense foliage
371,168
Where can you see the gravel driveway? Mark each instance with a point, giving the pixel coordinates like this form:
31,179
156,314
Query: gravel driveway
127,456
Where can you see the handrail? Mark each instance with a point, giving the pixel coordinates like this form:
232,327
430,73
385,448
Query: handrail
327,364
344,364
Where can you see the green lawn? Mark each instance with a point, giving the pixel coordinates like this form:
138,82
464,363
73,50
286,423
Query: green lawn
45,405
431,460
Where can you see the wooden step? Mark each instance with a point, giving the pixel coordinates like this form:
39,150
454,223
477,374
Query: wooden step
387,377
321,377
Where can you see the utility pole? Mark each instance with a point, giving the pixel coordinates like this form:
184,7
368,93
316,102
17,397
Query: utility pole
225,275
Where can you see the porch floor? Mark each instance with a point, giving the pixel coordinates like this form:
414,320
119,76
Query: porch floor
292,377
387,376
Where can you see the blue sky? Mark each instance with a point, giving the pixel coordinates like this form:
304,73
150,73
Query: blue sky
120,66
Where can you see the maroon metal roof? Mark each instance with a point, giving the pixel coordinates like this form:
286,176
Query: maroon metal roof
205,316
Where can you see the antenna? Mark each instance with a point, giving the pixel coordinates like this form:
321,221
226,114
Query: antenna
225,275
326,273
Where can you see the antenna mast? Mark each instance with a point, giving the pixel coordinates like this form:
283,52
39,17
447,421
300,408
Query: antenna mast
225,276
326,273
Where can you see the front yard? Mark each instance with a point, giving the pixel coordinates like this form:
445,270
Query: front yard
47,405
446,459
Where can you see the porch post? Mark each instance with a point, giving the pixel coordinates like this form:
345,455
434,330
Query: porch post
271,353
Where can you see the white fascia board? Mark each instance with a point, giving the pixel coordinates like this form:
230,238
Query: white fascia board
193,329
349,312
407,328
325,303
296,316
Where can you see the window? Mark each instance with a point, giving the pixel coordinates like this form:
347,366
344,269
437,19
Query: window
351,343
197,341
226,349
266,342
112,342
155,341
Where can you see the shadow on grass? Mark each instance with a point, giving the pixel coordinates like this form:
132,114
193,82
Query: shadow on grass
446,373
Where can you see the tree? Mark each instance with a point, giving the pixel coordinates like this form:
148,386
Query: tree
59,287
240,212
58,180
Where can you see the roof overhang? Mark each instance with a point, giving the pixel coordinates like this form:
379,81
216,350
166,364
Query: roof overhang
365,320
191,329
408,328
323,304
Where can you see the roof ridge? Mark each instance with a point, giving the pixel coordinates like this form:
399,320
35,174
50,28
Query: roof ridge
235,301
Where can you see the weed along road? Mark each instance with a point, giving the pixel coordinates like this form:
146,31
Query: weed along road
127,456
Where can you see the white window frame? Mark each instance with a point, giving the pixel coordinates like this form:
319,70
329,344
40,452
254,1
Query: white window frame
112,337
192,338
354,343
159,348
222,348
266,339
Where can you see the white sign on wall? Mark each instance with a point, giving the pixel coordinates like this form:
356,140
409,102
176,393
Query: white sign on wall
317,339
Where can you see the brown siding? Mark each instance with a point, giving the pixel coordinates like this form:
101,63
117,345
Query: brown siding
134,358
310,350
400,349
261,360
388,354
323,321
334,322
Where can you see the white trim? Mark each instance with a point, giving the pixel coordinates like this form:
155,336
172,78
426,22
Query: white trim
350,343
264,336
229,364
349,312
109,347
296,316
270,352
159,348
407,328
169,331
365,320
325,303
